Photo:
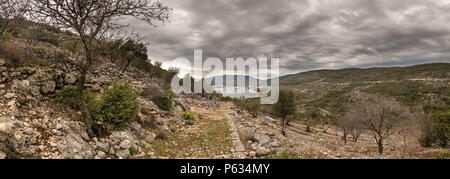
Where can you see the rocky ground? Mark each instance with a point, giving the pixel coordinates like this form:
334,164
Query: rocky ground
263,139
33,126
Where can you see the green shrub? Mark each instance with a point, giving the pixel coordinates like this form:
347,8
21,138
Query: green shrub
117,107
441,122
164,102
170,92
133,151
190,122
159,97
436,130
444,155
6,37
68,97
189,117
16,55
428,139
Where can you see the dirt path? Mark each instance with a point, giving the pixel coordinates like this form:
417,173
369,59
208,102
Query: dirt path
213,136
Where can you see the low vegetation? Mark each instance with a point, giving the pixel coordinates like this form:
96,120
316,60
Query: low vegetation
189,117
436,130
116,107
444,155
283,155
67,97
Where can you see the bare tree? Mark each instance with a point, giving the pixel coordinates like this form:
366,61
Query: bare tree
378,115
356,129
285,107
350,125
10,10
344,124
405,137
92,20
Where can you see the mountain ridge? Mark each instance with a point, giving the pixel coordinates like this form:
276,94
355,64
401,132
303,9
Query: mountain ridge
430,70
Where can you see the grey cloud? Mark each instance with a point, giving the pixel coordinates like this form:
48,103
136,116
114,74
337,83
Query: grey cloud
306,34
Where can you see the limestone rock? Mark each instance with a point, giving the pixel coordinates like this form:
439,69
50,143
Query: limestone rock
262,151
70,79
123,153
2,62
9,96
2,154
48,87
102,146
126,144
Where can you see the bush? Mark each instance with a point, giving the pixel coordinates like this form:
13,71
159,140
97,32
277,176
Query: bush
6,37
444,155
227,99
161,135
436,130
253,105
170,92
189,117
68,97
16,55
159,97
164,103
441,122
190,122
117,107
152,91
133,151
427,140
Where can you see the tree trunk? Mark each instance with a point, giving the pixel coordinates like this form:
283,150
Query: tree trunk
126,66
283,125
82,103
308,129
355,139
380,146
3,29
344,136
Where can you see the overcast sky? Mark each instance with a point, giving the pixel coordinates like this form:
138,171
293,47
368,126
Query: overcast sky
306,34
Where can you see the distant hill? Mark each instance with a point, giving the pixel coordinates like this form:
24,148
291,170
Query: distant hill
433,70
424,85
236,77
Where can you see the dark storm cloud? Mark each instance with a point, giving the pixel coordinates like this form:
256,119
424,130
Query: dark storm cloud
306,34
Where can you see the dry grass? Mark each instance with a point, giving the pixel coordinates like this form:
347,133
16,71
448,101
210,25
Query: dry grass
208,138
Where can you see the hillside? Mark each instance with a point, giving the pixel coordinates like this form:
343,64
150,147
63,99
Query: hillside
425,71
